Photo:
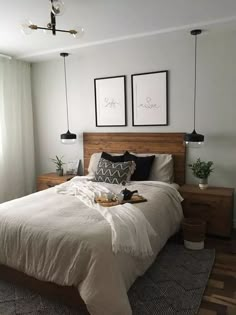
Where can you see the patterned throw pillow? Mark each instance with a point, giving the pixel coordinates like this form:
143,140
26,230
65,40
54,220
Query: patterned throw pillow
113,173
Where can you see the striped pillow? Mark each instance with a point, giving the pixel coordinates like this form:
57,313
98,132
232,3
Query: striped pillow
113,173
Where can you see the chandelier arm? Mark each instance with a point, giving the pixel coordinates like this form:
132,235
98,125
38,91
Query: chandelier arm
53,23
36,27
64,31
67,112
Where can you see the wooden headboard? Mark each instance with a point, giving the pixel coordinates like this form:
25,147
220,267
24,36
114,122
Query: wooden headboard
139,143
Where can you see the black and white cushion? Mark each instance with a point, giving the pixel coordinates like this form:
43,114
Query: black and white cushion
113,173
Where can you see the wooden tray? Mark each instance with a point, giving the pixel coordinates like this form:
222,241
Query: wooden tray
134,199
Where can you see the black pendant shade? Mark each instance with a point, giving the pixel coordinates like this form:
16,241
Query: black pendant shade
194,139
68,137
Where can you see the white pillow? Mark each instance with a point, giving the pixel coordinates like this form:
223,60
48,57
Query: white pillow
162,167
93,163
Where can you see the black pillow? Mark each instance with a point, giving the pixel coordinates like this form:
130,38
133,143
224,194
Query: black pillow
112,158
143,165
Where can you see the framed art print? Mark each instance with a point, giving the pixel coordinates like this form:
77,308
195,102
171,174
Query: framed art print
110,101
150,98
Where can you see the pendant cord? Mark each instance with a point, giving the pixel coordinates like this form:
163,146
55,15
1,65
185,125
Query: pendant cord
195,82
66,94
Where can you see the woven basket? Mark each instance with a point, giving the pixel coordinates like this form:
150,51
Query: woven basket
194,229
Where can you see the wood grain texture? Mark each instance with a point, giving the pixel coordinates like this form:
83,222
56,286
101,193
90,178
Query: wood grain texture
46,181
213,205
220,295
138,143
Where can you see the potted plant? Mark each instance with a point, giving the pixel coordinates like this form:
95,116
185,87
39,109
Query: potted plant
202,170
59,163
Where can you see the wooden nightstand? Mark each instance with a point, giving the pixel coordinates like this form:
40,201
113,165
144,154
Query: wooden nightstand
51,179
214,205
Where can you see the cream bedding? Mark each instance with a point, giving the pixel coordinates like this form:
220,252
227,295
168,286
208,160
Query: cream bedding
130,230
55,237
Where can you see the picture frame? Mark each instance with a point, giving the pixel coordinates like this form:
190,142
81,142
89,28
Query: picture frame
150,98
73,167
110,101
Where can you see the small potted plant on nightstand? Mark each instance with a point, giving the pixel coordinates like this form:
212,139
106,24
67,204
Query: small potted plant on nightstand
202,170
59,163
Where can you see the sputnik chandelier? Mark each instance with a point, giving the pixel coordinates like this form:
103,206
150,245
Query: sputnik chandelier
57,8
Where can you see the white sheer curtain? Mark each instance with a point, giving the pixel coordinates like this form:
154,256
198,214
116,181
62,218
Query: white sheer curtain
17,169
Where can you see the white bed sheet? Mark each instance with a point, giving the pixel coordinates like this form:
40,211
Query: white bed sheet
56,238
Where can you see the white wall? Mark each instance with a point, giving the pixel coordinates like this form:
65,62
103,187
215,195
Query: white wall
216,95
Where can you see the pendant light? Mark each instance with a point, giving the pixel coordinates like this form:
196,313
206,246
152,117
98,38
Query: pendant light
194,139
68,137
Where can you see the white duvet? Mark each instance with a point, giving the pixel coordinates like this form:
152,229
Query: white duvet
130,230
56,237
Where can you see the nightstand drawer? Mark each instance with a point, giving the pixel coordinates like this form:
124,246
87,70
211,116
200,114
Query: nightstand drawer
41,185
50,180
214,212
203,202
197,209
213,205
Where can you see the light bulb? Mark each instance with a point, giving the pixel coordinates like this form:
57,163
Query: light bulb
77,32
58,7
190,144
68,141
25,29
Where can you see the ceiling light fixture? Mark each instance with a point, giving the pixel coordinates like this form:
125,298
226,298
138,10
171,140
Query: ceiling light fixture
57,8
68,137
194,139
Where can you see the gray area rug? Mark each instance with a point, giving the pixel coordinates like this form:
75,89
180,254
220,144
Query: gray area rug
173,285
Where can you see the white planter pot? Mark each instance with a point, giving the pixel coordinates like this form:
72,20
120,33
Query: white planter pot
203,183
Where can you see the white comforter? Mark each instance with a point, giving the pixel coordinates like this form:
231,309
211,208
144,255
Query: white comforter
56,237
130,230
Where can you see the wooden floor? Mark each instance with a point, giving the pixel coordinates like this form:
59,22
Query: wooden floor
220,294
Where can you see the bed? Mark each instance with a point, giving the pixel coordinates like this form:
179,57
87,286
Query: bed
101,276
